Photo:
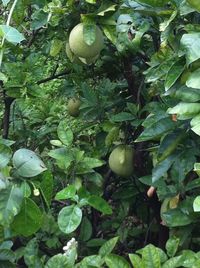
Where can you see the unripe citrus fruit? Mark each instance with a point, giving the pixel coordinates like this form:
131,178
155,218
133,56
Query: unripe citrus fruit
73,107
79,46
71,56
121,160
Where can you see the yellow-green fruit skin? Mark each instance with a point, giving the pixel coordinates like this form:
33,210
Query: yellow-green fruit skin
121,160
73,107
79,46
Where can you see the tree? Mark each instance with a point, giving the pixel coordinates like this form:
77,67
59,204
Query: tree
138,90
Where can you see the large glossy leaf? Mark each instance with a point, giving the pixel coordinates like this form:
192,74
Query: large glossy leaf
58,261
85,230
195,4
66,193
108,247
154,3
5,155
31,257
64,133
100,204
11,34
157,129
150,256
114,261
191,45
29,220
196,204
172,246
91,261
185,110
69,219
193,79
89,32
174,73
27,163
46,187
136,261
10,203
161,168
6,254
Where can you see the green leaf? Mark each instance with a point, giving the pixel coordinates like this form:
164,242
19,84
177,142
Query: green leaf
196,204
5,155
105,7
157,129
46,187
195,4
10,204
31,257
108,247
3,77
121,117
150,256
172,246
11,34
29,220
56,46
154,3
136,261
114,261
91,1
185,110
91,261
193,79
67,193
99,204
173,262
89,33
64,133
191,45
6,255
5,2
58,261
63,156
27,163
174,73
176,217
85,230
69,219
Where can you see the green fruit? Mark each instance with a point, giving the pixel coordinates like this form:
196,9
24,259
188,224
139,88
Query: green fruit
71,56
73,107
195,4
79,46
121,160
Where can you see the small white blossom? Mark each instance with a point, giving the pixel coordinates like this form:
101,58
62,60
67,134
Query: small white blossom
70,244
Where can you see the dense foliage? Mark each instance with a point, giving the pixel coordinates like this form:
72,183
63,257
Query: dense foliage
100,147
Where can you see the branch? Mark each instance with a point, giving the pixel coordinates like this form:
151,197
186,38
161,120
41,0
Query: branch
6,117
130,78
52,77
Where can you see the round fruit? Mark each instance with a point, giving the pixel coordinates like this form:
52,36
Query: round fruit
79,46
121,160
71,56
73,107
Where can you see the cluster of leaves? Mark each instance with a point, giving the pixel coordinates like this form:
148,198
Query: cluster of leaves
143,90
